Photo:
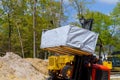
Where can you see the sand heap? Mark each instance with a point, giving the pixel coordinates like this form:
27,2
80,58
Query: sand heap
13,67
38,64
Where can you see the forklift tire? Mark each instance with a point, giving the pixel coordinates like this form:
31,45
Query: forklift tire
65,71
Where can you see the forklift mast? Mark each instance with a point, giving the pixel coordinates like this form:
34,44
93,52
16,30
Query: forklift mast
80,71
86,23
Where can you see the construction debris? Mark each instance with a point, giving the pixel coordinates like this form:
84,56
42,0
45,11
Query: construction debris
13,67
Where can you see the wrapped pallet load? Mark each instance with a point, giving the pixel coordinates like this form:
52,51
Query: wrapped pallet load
69,39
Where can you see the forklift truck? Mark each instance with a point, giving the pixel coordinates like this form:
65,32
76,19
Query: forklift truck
79,67
69,67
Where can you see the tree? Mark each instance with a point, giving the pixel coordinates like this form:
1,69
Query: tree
20,17
115,32
81,6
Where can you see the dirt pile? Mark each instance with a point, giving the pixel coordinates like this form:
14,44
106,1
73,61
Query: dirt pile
13,67
38,64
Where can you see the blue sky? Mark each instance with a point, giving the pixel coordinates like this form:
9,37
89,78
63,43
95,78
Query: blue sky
103,6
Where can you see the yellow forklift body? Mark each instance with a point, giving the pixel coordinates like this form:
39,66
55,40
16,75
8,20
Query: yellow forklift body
107,64
58,62
53,63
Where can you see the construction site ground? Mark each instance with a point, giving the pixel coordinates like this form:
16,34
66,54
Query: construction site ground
13,67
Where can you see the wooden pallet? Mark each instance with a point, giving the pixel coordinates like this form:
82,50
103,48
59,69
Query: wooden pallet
66,50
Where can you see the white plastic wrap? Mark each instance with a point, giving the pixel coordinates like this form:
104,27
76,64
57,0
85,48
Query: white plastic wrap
71,36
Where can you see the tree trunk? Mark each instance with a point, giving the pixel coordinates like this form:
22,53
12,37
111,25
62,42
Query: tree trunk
34,31
21,43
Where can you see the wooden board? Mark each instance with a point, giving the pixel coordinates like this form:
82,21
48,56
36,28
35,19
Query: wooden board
66,50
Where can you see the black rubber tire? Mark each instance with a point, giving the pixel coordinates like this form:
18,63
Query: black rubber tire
65,70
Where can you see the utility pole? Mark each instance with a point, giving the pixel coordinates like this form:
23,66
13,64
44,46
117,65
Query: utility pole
34,31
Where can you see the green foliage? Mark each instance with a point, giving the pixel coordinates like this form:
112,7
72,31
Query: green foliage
20,15
115,16
49,14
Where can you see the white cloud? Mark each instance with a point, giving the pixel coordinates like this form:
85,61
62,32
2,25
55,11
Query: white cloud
109,1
